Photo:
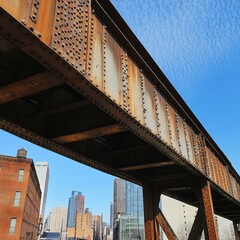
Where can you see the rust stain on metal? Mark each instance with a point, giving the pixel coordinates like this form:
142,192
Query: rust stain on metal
210,223
113,70
181,136
149,102
135,92
34,10
190,144
172,128
87,46
163,119
96,60
70,34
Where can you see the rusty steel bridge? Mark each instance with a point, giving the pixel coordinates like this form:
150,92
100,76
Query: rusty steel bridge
76,80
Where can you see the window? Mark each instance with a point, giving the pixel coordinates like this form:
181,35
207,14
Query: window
12,225
17,199
20,175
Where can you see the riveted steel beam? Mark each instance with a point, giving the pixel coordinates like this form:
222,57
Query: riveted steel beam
146,166
93,133
88,47
209,223
28,86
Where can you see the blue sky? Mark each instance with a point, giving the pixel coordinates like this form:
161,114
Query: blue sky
196,44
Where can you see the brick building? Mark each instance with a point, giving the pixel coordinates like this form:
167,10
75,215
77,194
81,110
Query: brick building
83,228
20,197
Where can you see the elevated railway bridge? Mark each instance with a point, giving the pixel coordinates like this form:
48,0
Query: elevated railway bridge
76,80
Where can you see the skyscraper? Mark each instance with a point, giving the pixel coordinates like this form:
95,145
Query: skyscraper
58,219
119,197
42,170
134,200
128,204
75,205
111,216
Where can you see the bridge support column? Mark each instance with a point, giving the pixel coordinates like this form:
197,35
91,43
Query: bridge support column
153,216
206,208
236,227
150,200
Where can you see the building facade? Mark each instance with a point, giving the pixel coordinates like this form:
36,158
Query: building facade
20,197
119,194
58,221
128,210
130,228
83,228
42,170
97,227
75,205
111,216
134,200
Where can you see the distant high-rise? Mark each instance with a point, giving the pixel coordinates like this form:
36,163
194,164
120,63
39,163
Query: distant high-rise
58,219
97,227
134,200
42,170
75,205
119,197
46,227
128,209
111,215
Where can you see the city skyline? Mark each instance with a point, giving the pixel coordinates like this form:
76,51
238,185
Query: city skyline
204,68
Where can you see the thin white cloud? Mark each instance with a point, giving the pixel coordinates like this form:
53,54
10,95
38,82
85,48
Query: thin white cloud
186,38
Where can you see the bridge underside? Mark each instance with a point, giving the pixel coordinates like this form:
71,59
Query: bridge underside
63,120
43,99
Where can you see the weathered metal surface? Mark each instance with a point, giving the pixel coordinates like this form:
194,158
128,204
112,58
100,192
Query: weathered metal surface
172,128
70,34
125,80
105,73
97,59
149,106
162,119
149,217
135,92
48,144
202,155
113,74
34,10
190,145
209,217
36,15
90,134
28,86
181,137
